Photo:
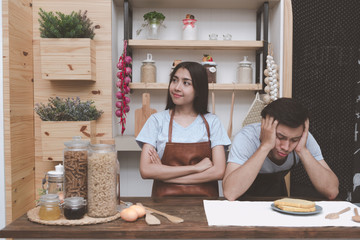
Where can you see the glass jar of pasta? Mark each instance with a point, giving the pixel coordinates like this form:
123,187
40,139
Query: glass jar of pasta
75,167
102,180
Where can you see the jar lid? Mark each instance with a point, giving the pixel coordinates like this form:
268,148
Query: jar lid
148,59
55,174
49,198
208,63
74,201
102,147
77,143
245,62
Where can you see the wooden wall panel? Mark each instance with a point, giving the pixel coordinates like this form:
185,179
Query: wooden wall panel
99,11
18,105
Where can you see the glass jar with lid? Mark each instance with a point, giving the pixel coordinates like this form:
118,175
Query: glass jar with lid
74,208
75,166
55,182
148,70
102,180
244,71
49,207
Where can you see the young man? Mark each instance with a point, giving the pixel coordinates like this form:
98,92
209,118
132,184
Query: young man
263,153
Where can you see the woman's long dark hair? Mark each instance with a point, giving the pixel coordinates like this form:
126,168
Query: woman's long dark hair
200,83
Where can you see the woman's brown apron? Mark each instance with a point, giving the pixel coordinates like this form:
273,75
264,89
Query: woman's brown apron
270,184
183,154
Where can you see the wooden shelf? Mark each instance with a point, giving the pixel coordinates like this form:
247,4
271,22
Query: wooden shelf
126,143
212,86
196,44
224,4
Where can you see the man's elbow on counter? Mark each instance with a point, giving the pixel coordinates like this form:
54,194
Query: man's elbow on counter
333,194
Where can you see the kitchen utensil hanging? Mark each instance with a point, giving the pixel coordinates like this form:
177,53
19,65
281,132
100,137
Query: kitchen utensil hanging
253,115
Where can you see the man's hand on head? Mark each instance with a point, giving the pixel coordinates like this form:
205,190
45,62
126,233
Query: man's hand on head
302,143
268,132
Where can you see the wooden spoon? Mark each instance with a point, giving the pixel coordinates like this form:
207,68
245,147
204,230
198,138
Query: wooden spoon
336,215
171,218
231,115
356,218
150,219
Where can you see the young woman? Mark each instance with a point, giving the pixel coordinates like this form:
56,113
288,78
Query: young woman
183,147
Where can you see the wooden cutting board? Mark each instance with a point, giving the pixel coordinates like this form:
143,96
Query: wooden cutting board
142,114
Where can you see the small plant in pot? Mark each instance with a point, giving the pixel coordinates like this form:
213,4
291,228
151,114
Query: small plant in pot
153,22
62,34
62,119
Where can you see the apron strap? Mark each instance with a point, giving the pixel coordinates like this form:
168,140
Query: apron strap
171,124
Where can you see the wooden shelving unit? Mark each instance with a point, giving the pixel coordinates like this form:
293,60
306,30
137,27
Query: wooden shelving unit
196,44
212,86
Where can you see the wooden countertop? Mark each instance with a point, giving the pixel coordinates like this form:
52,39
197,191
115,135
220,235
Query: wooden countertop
194,226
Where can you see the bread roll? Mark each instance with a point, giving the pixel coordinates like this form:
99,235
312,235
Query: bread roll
294,202
296,209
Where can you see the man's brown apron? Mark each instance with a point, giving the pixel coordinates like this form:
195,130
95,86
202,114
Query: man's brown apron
183,154
270,184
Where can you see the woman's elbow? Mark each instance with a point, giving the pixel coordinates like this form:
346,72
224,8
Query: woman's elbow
145,174
229,195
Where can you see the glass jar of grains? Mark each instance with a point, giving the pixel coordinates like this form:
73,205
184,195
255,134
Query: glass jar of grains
49,207
102,180
148,70
75,167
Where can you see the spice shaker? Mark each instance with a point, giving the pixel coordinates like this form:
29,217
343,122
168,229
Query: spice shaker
75,165
210,70
244,71
102,180
148,70
189,29
49,207
55,181
74,208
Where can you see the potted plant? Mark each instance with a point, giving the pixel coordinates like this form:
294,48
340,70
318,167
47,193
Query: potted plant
67,48
61,120
153,22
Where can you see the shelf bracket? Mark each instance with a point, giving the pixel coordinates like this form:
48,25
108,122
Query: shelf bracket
128,24
263,12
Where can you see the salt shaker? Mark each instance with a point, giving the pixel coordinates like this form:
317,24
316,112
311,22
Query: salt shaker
189,29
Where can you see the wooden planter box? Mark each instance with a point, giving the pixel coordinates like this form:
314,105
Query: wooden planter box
68,59
54,134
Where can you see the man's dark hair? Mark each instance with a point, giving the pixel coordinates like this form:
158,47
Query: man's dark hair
200,83
287,111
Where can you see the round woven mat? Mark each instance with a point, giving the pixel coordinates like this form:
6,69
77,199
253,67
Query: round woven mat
33,216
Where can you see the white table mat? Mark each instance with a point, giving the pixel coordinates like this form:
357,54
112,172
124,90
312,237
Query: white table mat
248,213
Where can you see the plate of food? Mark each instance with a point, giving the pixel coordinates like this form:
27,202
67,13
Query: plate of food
296,206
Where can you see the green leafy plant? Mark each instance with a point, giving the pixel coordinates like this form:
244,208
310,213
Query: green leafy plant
60,25
69,109
152,17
